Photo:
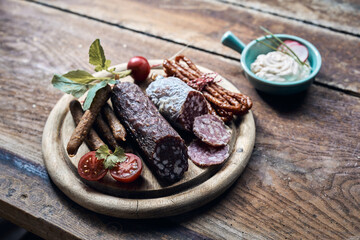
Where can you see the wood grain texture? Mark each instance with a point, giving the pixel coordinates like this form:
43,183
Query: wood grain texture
301,182
335,14
202,24
30,200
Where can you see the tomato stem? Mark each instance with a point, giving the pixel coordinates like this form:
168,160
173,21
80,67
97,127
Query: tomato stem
155,65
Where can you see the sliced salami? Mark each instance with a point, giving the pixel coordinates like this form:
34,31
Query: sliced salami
164,149
211,130
177,102
204,155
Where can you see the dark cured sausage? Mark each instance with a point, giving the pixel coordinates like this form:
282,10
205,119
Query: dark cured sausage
176,101
164,149
84,126
92,140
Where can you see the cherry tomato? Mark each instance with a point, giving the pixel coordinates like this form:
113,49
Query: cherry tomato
140,68
127,171
91,168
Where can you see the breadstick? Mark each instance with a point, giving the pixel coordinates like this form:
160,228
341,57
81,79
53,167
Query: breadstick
116,127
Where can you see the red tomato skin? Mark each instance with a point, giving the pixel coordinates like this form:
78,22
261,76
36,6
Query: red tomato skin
131,158
92,165
140,68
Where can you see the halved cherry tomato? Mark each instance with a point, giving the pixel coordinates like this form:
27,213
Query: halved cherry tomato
91,168
127,171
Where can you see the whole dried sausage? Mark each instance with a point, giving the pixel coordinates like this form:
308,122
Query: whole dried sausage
92,140
177,102
165,151
87,120
103,129
116,127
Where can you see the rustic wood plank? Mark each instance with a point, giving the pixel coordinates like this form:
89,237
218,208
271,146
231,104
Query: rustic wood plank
202,23
302,180
339,15
30,200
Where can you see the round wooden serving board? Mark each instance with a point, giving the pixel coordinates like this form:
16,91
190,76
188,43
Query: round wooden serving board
146,197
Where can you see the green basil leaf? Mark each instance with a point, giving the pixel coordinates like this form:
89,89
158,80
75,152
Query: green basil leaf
103,152
68,86
98,69
96,54
107,63
91,94
80,76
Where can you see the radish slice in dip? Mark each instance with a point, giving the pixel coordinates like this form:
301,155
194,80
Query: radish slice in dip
279,67
300,50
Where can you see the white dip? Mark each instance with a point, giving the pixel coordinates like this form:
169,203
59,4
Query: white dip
279,67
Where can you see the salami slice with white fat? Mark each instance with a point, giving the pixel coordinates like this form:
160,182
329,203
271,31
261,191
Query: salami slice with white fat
204,155
211,130
177,102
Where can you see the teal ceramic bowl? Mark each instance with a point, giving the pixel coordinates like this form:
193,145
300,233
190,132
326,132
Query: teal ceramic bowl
253,49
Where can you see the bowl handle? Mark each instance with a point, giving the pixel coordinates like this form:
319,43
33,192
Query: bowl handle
231,41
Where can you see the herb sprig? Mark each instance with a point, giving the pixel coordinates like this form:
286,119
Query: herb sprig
78,82
278,42
110,159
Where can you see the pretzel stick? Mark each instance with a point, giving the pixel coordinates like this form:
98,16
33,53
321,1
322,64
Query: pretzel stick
221,101
189,63
172,70
244,100
190,67
225,116
211,109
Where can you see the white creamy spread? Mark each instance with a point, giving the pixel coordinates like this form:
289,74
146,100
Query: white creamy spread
279,67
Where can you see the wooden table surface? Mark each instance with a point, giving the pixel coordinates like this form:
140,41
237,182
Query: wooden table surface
303,179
